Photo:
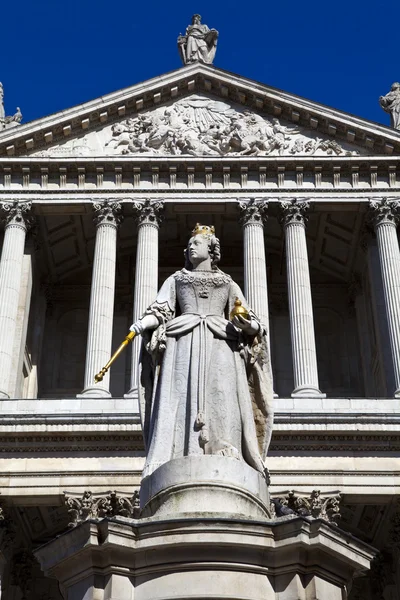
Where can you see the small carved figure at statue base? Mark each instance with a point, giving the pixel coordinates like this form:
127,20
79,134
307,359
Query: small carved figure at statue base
199,44
391,104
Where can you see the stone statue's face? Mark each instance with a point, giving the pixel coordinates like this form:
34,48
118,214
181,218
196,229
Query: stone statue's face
198,249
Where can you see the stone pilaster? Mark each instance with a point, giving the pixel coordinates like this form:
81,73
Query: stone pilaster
294,218
254,216
101,313
385,216
149,216
17,223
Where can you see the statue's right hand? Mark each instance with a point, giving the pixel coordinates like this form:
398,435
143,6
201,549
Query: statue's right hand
137,327
147,322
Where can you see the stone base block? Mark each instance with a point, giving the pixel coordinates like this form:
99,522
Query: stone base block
205,485
292,558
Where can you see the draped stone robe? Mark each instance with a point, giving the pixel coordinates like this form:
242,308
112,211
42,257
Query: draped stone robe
195,374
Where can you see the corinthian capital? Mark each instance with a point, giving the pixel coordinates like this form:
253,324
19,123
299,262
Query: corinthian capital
253,212
17,214
383,210
149,212
294,212
107,212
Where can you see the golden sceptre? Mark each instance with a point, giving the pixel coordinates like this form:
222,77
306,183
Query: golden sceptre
127,340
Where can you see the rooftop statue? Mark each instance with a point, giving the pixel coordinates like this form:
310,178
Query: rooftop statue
206,383
199,44
391,104
7,122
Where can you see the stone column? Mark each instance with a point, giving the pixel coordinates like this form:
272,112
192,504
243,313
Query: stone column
101,313
149,216
12,256
300,302
385,216
254,216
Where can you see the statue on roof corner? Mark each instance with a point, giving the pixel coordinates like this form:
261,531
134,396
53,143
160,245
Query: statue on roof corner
391,104
199,44
8,122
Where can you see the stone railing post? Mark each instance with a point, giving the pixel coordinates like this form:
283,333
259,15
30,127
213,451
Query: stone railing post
107,217
253,217
149,216
385,215
293,218
17,225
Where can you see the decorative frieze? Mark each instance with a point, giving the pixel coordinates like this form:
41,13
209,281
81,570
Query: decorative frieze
340,176
100,506
324,506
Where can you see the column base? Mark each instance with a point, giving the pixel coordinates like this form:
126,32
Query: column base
133,393
305,391
202,558
397,394
94,392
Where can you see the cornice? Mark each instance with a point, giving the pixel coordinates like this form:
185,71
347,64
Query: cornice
198,78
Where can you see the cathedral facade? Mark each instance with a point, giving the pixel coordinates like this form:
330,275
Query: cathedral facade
98,203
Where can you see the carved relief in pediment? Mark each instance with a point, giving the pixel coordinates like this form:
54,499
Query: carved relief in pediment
200,126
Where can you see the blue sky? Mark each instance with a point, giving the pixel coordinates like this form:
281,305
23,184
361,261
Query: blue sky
55,55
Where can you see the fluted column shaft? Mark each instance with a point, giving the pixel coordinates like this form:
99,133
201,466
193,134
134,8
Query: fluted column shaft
12,255
305,370
255,270
149,216
385,215
101,312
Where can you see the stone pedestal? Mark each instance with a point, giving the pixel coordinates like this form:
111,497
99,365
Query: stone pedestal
195,485
292,558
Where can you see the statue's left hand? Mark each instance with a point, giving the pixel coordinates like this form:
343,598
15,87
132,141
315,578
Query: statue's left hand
249,326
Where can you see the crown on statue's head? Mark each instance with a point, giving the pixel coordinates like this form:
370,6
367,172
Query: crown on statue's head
204,229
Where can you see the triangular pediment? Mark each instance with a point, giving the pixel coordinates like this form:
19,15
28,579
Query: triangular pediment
199,110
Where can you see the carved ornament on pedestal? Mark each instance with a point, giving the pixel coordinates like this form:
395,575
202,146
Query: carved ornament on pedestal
99,506
324,506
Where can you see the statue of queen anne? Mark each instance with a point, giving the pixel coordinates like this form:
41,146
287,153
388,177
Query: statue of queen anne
205,381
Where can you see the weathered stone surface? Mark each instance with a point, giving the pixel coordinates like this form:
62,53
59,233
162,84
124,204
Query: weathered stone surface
207,558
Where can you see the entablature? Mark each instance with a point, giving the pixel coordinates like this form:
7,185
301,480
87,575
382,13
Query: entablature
201,176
